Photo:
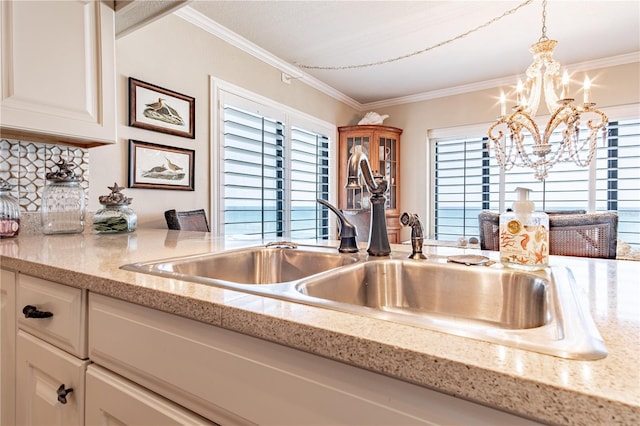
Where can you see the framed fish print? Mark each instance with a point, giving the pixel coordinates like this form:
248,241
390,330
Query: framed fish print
154,166
155,108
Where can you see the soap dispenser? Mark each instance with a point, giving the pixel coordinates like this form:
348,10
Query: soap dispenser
524,235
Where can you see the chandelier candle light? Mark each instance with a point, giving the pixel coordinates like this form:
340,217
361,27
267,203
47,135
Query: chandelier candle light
543,152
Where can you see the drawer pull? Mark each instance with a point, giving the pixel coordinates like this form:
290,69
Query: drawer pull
31,311
62,394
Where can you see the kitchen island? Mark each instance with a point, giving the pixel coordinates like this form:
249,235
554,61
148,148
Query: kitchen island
540,387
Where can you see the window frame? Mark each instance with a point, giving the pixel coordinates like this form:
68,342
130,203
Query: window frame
222,92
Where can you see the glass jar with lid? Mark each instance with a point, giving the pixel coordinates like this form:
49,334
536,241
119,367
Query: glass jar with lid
9,212
63,202
116,216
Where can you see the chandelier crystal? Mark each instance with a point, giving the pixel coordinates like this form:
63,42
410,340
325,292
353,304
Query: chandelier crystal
541,152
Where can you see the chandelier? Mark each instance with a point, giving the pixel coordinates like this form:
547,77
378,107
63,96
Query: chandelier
543,150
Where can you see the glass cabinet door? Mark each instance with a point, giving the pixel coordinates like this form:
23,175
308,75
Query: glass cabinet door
358,199
387,163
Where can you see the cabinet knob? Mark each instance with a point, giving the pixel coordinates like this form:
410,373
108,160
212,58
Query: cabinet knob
31,311
62,394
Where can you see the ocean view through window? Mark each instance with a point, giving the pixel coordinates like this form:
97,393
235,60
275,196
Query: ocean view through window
467,179
273,168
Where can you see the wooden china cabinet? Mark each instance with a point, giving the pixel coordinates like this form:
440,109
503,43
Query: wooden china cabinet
381,144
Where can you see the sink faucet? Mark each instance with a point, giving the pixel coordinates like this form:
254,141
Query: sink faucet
359,165
348,231
417,237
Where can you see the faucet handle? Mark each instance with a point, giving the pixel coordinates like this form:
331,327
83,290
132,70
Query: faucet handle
381,184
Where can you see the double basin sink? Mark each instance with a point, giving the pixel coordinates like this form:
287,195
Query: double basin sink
540,311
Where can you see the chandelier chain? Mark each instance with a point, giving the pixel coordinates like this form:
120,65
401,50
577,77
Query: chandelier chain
426,49
544,21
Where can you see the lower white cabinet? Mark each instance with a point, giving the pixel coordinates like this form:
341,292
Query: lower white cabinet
50,384
7,347
113,400
98,360
232,378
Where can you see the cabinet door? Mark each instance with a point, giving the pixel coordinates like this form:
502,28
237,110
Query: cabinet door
7,347
43,373
356,198
388,156
114,400
58,71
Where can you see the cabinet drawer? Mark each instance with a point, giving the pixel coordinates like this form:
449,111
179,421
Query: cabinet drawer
109,396
67,327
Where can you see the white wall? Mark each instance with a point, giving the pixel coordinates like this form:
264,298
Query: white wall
178,56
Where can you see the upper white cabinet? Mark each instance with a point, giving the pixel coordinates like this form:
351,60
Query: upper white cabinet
58,71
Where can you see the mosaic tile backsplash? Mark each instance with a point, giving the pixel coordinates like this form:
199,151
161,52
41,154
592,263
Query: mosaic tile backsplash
25,165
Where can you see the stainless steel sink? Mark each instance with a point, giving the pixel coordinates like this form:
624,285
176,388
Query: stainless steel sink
488,297
254,265
540,311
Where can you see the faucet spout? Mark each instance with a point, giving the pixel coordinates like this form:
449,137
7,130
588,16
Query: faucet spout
358,165
348,232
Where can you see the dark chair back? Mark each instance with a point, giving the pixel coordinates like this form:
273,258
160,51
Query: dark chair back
193,220
489,224
586,235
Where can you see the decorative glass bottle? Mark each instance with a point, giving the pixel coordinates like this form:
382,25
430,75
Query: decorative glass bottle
63,202
9,212
116,216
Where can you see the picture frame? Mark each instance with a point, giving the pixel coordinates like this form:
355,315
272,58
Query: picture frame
155,108
155,166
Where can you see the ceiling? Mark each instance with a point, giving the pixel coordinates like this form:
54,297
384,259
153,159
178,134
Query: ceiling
493,52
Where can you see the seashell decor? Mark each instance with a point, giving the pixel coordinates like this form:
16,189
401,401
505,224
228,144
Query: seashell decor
373,118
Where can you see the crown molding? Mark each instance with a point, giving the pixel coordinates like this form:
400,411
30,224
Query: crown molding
292,72
501,82
131,15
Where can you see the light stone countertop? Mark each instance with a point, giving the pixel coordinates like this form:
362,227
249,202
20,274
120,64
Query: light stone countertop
542,387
